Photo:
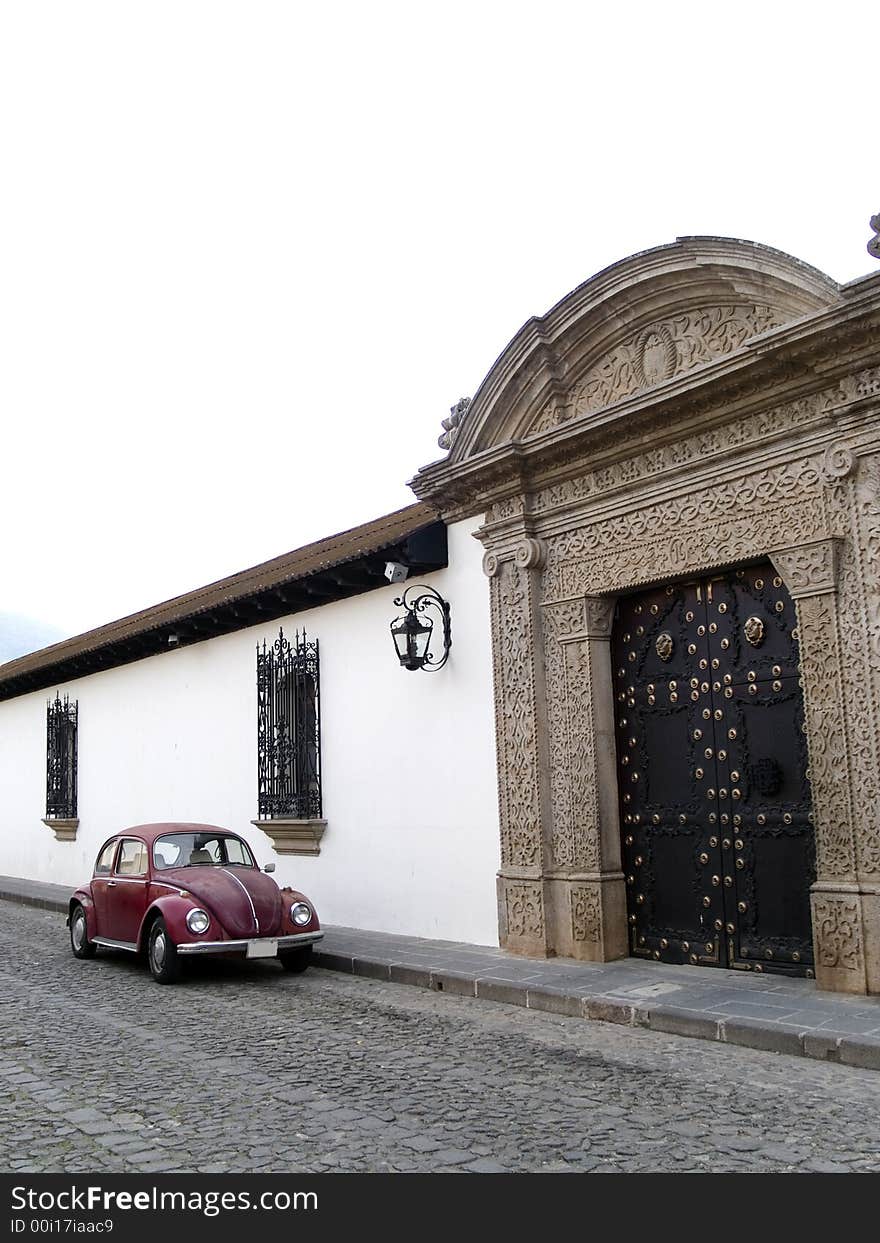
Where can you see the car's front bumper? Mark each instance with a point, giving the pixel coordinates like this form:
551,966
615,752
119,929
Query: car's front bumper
295,941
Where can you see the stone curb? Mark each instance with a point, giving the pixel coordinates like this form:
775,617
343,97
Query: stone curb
671,1020
32,899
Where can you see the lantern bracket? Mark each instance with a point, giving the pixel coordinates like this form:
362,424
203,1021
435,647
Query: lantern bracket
412,643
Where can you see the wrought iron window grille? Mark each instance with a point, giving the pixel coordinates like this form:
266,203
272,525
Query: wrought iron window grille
61,757
289,729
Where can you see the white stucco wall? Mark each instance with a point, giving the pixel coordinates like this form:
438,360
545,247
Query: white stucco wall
409,775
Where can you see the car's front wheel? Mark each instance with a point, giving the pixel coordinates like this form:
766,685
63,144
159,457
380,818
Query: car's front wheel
162,954
79,935
296,960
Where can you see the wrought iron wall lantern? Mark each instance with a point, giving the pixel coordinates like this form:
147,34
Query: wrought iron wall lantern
413,631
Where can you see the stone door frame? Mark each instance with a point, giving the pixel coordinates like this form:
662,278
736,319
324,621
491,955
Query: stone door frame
560,886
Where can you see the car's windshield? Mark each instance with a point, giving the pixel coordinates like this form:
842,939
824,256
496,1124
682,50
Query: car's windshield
184,850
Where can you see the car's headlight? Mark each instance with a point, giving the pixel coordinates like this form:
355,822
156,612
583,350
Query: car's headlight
197,921
301,914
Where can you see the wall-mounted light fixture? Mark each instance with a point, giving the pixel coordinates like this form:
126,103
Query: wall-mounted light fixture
413,631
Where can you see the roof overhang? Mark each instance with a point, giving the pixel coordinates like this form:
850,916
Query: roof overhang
332,569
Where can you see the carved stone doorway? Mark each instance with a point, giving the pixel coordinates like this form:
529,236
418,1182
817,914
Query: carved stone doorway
717,834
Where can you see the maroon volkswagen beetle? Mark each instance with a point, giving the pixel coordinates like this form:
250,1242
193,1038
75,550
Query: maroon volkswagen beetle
172,890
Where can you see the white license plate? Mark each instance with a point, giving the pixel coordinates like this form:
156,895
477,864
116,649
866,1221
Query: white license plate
266,947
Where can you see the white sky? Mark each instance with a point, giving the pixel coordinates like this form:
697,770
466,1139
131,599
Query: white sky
251,253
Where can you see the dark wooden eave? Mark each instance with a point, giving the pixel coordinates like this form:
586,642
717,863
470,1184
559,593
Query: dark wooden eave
332,569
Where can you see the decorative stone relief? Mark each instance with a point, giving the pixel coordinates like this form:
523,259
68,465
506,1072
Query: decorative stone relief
826,736
874,244
859,596
575,637
658,353
508,507
515,649
530,554
600,616
575,836
838,931
586,919
809,569
451,425
525,911
867,383
701,529
700,447
838,463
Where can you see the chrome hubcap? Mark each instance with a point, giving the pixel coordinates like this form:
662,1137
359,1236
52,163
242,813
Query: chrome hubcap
159,950
79,931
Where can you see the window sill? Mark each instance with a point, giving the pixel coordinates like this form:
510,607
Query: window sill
294,837
64,830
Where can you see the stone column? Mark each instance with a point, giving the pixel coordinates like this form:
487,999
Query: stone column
584,888
810,573
521,741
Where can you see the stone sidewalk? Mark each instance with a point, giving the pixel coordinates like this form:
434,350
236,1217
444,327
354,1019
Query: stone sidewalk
770,1012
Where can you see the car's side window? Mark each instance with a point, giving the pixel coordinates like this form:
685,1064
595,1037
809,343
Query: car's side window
237,852
105,859
132,859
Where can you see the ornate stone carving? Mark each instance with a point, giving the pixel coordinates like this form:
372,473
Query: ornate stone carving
525,911
451,425
600,616
838,931
701,529
867,383
576,634
809,569
838,463
531,553
699,447
586,917
491,564
565,619
506,508
873,247
859,597
656,356
515,646
826,736
575,836
657,353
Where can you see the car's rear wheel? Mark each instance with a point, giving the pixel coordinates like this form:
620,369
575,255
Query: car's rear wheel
162,954
296,960
79,935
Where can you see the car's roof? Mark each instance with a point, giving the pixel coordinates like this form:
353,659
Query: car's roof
149,832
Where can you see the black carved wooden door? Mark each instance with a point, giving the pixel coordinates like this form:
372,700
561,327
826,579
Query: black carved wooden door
718,844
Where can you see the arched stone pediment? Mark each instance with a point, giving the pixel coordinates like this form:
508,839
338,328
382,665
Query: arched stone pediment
636,326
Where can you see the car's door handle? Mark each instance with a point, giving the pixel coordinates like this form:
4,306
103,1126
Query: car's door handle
111,884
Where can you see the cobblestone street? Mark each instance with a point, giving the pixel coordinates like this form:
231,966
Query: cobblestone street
242,1067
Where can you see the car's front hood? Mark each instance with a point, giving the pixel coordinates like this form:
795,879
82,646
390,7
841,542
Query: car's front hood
243,900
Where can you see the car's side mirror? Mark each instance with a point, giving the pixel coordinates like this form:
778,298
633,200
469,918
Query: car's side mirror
270,867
